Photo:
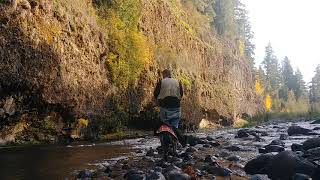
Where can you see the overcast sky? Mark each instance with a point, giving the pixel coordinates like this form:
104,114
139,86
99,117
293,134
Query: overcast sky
292,27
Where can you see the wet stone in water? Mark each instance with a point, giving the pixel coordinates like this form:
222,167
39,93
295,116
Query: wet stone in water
218,170
296,147
234,158
84,174
311,143
135,175
298,176
259,177
210,159
277,142
155,175
297,130
284,136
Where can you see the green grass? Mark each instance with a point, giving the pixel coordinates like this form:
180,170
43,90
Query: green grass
279,116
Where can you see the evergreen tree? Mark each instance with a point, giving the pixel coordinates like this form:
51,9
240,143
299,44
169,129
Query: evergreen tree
287,74
314,95
244,29
224,20
272,71
300,88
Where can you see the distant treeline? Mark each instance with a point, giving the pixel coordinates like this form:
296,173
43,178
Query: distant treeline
284,89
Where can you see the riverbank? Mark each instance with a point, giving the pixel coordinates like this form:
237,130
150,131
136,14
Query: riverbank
220,153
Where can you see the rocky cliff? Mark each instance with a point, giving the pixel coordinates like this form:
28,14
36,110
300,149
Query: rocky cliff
86,59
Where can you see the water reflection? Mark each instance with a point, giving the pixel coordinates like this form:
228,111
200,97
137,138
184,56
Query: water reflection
53,162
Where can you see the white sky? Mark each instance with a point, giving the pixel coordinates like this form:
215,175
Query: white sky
292,27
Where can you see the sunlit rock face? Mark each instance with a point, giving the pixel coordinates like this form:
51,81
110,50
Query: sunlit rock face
56,51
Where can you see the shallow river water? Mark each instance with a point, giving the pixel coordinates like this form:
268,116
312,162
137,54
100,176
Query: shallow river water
64,161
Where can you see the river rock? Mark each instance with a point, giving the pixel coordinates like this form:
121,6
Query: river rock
234,158
284,136
224,153
151,152
286,164
311,143
272,148
192,140
259,177
210,159
234,148
312,154
259,165
191,150
154,175
214,144
177,175
297,130
316,122
243,133
298,176
209,138
207,146
278,142
316,128
85,174
297,147
186,156
135,175
218,170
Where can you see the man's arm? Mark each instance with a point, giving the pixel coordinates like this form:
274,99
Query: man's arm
157,90
181,89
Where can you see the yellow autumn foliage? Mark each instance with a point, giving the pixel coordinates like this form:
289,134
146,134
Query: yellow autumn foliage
129,50
258,87
268,102
83,122
242,47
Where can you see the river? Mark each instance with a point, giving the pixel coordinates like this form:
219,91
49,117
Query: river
64,161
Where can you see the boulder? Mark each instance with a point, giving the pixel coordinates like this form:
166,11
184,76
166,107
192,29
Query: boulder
311,143
286,164
298,176
259,165
297,147
312,154
297,130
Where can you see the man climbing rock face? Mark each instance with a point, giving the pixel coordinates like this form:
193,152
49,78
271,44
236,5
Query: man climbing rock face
168,93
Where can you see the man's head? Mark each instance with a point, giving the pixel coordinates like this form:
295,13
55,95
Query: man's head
166,73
